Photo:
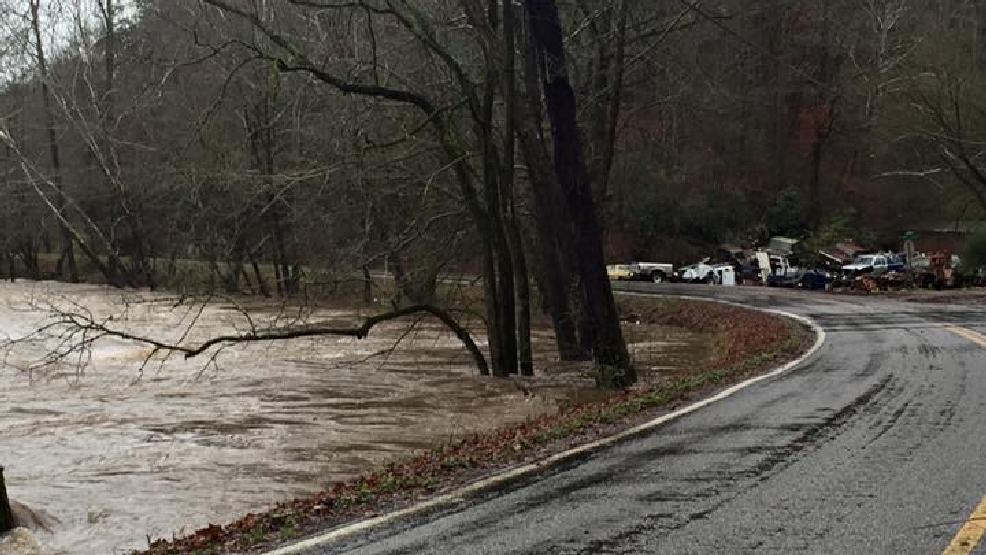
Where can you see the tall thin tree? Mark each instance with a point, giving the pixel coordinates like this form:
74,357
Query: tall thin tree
67,254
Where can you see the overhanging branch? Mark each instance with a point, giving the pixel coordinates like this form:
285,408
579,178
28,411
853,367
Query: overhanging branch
83,323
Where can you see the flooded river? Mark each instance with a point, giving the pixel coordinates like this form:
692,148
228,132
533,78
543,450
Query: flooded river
116,448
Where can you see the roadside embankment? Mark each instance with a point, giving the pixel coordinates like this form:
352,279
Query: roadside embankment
742,343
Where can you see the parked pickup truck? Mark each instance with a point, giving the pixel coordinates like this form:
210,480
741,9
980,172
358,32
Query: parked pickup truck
654,271
622,272
873,264
640,271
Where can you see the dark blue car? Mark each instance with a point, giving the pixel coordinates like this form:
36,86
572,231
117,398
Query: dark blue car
809,279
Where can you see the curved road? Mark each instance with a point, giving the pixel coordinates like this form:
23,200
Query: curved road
876,444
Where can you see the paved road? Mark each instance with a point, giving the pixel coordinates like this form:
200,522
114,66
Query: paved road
877,444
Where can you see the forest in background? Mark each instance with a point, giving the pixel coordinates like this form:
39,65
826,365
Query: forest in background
277,147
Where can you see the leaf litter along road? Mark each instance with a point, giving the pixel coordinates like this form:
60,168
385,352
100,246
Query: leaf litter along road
744,343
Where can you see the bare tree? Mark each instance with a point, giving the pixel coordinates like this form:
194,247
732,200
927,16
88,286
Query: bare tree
67,254
930,92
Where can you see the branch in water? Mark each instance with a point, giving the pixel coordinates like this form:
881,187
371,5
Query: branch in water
314,330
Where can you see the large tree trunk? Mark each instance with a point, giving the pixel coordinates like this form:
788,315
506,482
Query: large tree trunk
494,312
507,305
6,515
551,220
516,245
525,350
584,322
499,266
609,347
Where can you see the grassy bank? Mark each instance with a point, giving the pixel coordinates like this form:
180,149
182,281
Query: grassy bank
744,343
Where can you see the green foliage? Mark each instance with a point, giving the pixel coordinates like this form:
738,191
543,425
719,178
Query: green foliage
787,215
656,209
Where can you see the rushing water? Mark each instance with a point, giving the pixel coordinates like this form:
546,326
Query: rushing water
116,448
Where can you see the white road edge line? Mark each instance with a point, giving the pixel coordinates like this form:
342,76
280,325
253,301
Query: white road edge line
462,494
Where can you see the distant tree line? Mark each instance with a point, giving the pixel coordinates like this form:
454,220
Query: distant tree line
284,147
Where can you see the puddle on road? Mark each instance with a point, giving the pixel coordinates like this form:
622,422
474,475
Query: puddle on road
116,454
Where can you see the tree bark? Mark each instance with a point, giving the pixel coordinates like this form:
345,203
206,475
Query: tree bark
515,244
500,266
525,350
550,214
493,312
583,320
609,347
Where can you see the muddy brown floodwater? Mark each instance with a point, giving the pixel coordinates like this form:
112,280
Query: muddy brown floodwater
116,449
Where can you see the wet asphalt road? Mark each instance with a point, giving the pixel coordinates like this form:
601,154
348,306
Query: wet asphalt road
877,444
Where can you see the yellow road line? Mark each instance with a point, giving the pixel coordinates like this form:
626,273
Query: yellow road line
970,533
973,336
975,527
